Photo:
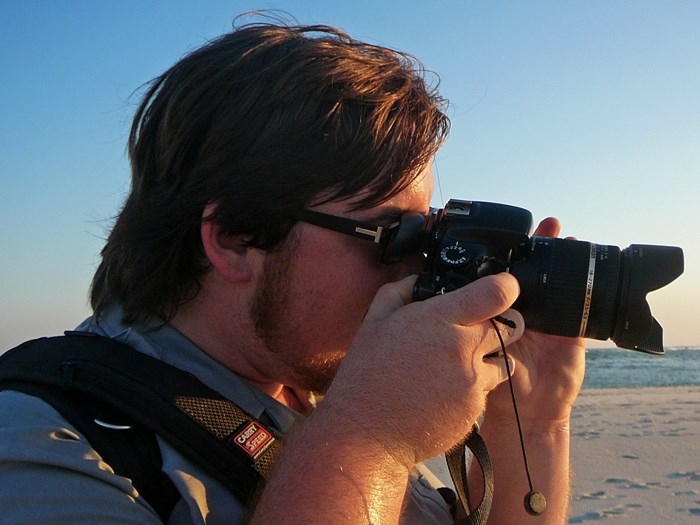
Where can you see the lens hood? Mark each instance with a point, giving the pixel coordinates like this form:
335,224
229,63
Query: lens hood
645,268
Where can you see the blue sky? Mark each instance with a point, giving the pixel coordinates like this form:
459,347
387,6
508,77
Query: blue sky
588,111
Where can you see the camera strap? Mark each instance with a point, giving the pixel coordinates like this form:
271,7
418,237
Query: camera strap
535,502
457,464
213,432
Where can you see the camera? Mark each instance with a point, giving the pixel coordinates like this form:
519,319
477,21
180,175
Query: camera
567,287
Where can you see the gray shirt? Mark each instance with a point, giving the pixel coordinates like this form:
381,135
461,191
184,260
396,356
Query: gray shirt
50,474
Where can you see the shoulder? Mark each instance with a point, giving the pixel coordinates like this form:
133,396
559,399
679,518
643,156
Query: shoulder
39,448
30,427
20,410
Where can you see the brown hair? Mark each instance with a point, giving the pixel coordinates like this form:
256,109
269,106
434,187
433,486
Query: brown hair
261,121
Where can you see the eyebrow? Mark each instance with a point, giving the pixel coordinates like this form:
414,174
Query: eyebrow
386,214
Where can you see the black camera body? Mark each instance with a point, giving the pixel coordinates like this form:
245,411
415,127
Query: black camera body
567,287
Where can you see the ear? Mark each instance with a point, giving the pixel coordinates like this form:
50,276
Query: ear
228,254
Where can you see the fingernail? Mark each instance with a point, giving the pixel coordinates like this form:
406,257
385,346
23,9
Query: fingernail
511,363
509,324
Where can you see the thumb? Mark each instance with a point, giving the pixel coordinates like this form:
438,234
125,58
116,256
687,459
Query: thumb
390,298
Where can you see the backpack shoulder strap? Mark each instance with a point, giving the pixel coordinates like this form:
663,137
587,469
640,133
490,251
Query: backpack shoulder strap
131,450
210,430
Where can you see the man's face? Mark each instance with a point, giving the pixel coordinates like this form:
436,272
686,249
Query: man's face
315,291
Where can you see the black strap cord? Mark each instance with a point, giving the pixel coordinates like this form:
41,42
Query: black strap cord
534,502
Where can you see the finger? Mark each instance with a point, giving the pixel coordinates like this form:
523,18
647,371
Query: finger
390,298
509,325
484,298
549,227
508,328
498,332
498,367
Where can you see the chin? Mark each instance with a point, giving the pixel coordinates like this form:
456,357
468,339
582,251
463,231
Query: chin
317,375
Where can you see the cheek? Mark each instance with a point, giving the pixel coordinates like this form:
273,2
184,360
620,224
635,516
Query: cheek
346,292
338,292
333,285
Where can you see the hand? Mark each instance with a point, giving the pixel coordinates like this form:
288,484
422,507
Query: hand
417,374
548,376
412,384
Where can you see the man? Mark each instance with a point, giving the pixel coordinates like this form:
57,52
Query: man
209,268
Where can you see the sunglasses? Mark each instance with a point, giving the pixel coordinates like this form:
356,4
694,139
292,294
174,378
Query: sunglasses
396,241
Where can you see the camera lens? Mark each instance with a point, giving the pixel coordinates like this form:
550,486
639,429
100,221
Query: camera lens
581,289
568,287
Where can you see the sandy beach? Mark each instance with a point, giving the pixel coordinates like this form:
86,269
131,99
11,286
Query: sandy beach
635,456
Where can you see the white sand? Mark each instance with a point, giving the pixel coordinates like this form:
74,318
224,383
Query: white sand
635,456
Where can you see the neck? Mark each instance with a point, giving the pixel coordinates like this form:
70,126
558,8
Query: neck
296,399
214,335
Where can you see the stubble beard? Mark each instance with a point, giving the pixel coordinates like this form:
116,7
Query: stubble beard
284,339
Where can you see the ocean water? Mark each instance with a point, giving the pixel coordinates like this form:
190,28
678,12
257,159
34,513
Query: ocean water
617,368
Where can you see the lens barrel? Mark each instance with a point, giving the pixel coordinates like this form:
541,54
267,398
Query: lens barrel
568,287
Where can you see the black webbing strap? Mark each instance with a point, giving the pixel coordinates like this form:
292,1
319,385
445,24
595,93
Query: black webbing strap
456,463
213,432
131,450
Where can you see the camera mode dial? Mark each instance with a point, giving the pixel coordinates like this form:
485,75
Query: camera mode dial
454,255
